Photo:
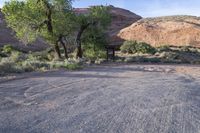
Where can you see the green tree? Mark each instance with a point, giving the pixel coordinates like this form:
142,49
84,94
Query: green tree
50,20
98,17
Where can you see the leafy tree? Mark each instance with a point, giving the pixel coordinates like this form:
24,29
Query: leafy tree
98,17
94,42
50,20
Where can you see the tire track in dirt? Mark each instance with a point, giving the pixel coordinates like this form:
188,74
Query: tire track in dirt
109,99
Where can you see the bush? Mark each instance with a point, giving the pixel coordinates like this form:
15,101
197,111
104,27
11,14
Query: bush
17,56
8,66
17,62
129,47
7,49
132,47
145,48
94,51
42,56
12,64
94,55
29,66
2,54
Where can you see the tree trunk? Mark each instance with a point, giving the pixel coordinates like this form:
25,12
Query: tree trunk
79,53
57,50
65,48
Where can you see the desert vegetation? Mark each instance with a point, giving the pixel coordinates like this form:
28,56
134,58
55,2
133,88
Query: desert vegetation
133,51
56,22
132,47
70,34
14,61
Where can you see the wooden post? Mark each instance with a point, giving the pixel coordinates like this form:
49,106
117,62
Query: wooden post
107,53
112,54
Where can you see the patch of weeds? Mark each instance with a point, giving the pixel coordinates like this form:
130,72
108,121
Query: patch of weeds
8,66
7,49
65,65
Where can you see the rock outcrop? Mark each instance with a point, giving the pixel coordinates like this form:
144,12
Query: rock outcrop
171,30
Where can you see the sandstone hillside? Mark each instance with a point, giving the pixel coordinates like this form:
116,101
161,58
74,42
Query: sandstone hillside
170,30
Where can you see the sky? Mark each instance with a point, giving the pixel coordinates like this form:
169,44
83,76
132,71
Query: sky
147,8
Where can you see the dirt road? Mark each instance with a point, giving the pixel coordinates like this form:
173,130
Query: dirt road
103,99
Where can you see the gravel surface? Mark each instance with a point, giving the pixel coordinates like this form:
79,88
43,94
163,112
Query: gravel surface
102,99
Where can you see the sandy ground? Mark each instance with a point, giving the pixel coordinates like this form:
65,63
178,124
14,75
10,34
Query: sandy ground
103,99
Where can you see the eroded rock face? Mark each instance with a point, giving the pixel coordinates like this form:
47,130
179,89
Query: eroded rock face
8,36
121,18
171,30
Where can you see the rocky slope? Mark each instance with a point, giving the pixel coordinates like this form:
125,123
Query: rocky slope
171,30
7,36
121,18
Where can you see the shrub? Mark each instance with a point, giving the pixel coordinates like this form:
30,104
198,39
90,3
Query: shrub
12,64
2,54
94,51
132,47
94,55
129,47
42,56
29,66
8,66
145,48
7,49
17,56
20,62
